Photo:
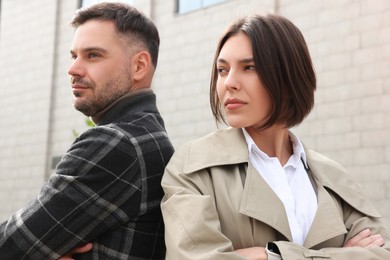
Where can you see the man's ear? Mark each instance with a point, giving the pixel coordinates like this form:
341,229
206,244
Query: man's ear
142,65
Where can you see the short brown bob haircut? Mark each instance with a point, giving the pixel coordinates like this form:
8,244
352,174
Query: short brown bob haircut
283,64
129,22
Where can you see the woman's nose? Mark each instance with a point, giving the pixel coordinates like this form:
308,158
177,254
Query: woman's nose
231,81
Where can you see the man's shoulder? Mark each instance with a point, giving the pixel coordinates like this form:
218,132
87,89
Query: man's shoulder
138,123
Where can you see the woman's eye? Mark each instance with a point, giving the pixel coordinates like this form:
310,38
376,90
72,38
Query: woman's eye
250,67
221,70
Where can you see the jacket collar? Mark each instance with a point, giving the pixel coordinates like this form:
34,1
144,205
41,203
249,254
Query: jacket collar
144,99
226,146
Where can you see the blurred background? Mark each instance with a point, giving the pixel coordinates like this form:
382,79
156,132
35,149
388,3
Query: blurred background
349,42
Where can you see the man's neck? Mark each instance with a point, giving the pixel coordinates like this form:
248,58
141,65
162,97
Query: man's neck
98,116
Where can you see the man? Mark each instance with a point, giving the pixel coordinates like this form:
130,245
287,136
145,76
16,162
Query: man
106,189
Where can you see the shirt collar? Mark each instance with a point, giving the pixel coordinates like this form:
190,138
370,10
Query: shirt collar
298,155
299,151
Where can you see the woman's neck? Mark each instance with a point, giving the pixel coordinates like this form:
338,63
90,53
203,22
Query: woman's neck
273,141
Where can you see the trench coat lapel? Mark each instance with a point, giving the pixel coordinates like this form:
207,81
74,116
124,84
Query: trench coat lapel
327,222
260,202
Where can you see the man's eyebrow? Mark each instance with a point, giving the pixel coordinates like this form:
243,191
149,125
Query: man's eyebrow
90,49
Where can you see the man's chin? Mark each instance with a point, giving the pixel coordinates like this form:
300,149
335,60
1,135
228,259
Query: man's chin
86,110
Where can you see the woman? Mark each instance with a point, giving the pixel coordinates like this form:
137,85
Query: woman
253,190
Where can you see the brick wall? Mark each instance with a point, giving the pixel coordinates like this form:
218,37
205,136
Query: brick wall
26,56
350,45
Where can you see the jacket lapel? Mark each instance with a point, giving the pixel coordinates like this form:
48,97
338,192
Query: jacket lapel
260,202
255,203
327,222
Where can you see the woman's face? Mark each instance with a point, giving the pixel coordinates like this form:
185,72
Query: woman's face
244,98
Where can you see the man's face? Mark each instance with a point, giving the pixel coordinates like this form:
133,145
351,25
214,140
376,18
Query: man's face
101,68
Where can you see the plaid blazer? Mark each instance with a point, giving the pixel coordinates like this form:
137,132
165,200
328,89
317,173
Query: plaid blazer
105,190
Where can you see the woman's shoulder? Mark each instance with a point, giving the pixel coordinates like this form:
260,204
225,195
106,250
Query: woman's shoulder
221,138
323,161
224,146
335,177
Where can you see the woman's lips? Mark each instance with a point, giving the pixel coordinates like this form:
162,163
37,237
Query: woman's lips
232,104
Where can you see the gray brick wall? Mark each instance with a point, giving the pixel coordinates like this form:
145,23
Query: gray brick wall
349,41
26,56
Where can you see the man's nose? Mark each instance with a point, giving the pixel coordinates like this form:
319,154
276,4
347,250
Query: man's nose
76,69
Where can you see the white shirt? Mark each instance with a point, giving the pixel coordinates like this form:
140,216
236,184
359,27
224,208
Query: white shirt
291,184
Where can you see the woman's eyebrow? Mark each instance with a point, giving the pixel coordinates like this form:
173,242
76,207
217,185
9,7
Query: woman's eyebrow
245,60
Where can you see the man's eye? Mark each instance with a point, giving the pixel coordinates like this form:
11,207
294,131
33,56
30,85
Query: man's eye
93,55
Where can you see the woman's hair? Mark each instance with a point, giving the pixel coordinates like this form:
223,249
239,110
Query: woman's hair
129,22
283,65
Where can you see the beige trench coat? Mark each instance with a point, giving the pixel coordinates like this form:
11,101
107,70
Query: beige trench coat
216,202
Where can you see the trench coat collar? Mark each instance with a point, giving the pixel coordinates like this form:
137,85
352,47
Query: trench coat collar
228,147
223,147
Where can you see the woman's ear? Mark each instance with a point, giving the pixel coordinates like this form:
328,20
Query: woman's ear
142,65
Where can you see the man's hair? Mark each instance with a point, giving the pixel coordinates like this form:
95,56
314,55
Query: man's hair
128,21
283,64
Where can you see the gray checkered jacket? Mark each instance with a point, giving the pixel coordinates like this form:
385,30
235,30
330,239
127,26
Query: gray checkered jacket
105,190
